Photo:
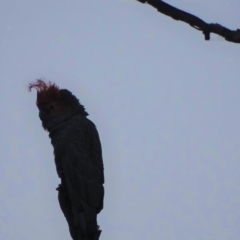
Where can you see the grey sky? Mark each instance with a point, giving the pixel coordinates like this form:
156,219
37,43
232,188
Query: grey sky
165,102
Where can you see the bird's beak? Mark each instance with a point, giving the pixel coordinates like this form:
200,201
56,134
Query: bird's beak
42,115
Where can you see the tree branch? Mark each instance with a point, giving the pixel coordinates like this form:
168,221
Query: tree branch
195,22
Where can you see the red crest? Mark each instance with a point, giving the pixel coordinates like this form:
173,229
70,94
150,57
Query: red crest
46,92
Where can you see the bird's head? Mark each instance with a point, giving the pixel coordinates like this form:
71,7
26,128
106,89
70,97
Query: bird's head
49,100
55,104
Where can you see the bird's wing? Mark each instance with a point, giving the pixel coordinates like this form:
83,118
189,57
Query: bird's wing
83,165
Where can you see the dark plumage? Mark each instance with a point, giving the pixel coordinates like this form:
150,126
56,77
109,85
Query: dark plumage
78,158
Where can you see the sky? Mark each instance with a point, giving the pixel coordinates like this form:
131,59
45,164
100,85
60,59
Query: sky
165,103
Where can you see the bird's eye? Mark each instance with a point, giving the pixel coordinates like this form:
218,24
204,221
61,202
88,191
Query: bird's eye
50,108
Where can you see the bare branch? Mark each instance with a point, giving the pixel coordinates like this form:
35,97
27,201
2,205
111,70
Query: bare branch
195,22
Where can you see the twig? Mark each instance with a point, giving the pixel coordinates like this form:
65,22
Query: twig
195,22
